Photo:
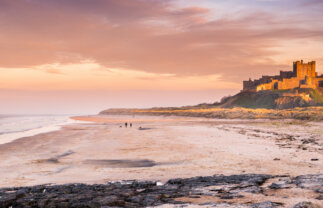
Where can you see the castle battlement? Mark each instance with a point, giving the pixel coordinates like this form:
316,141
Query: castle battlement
302,76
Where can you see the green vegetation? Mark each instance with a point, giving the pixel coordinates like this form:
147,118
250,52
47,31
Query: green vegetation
283,91
304,113
255,100
316,96
278,99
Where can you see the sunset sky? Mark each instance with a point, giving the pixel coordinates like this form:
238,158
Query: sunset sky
83,56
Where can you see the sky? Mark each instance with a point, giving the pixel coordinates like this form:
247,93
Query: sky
84,56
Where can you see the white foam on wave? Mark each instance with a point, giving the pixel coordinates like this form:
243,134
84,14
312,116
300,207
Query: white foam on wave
10,134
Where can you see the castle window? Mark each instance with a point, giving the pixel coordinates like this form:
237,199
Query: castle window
320,83
276,86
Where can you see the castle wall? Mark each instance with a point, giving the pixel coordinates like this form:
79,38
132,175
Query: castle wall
249,85
289,83
318,82
286,75
267,86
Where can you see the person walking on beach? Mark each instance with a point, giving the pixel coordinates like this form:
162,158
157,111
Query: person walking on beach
130,124
126,124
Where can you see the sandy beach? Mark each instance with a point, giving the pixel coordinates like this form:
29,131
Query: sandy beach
103,150
165,148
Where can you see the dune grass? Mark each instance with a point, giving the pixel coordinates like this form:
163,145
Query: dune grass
306,113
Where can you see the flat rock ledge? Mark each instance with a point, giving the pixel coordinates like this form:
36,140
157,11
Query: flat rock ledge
246,190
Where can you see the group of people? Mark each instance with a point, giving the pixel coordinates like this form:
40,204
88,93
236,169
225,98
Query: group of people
126,124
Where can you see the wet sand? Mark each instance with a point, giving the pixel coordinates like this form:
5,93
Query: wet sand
165,148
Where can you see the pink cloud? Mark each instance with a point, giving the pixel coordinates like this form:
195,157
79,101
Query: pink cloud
116,34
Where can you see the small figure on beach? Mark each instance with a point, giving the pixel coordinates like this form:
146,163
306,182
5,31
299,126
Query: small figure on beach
126,124
130,124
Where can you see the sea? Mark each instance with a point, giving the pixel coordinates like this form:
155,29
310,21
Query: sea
13,127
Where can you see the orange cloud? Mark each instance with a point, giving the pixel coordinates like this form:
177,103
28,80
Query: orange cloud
92,76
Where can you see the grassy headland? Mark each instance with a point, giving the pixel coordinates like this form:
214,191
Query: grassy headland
305,104
306,113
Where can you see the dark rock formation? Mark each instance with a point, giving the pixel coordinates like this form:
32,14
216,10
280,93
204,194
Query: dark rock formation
143,194
305,205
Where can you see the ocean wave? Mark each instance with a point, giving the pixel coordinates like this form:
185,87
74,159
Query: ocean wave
15,127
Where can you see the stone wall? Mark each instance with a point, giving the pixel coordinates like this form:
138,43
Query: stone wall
289,83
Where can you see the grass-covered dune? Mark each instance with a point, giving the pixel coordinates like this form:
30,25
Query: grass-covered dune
305,113
305,104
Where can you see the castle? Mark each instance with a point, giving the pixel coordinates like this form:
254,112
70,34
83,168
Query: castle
302,76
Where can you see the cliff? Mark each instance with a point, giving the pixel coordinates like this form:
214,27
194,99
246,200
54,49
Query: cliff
283,99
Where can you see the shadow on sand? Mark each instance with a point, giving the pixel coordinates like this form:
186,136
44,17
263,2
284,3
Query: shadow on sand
122,163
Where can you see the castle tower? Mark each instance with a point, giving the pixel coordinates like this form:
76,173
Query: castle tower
303,70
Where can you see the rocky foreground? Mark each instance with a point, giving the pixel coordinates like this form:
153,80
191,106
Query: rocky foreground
248,190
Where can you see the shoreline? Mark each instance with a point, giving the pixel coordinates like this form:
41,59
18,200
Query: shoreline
12,136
